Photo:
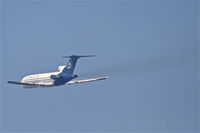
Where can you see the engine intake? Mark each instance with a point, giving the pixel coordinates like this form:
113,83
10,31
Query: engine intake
55,77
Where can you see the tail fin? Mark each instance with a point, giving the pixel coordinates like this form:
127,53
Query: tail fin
69,68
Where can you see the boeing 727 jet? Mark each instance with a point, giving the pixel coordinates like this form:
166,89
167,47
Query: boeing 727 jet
62,77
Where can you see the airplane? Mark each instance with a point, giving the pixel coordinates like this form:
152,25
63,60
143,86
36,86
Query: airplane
52,79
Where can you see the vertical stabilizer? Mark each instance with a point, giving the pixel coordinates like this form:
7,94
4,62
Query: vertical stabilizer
69,68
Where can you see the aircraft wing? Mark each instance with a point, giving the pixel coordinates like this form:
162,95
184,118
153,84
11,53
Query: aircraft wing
31,84
20,83
86,80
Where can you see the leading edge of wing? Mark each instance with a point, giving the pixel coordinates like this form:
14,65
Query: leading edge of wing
86,80
20,83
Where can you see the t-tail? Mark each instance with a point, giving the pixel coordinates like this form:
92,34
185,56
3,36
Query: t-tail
69,68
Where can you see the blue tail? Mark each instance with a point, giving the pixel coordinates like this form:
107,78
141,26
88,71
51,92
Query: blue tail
69,68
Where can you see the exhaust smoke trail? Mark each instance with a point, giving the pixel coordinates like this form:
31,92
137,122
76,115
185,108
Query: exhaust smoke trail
136,67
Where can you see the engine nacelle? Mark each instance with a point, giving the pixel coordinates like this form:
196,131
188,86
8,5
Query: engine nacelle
55,77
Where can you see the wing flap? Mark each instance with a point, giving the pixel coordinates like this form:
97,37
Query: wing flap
86,80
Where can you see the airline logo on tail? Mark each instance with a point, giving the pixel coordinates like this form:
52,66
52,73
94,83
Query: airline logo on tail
69,65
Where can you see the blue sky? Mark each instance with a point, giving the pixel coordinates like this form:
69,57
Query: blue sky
148,47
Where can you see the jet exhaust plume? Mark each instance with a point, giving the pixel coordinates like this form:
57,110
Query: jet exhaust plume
134,67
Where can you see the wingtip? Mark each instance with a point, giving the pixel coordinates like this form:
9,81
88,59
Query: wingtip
103,78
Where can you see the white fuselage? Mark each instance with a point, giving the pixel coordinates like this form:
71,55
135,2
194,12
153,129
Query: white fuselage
41,78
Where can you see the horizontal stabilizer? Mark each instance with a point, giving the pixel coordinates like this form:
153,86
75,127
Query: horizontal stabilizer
78,56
